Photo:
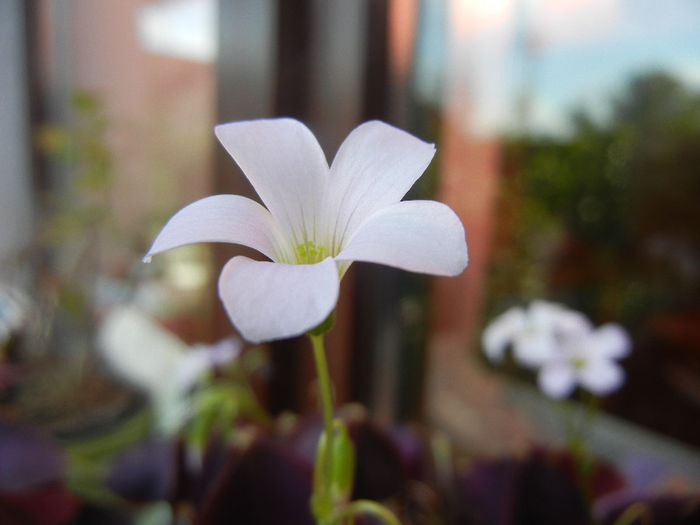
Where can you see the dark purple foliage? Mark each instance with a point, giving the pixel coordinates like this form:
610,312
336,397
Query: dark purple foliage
411,447
146,472
518,491
50,504
656,509
594,478
379,470
27,459
264,484
31,479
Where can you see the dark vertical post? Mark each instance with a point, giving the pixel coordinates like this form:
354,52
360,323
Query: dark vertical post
293,29
377,334
390,304
294,23
245,73
253,39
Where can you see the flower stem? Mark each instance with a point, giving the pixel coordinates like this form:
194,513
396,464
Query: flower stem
334,471
321,499
324,383
363,506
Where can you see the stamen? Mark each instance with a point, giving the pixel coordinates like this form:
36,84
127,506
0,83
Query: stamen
578,363
309,253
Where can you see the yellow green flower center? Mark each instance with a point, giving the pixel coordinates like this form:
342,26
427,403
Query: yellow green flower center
578,363
309,253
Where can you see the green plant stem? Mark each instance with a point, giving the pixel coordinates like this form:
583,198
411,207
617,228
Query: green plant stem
364,506
637,511
324,383
323,473
325,495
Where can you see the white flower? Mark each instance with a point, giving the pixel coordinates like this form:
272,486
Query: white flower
533,333
500,333
586,358
562,345
316,221
155,361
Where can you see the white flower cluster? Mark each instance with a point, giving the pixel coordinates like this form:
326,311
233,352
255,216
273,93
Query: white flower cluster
563,347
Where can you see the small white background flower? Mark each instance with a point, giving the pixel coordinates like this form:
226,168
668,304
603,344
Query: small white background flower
587,359
534,333
562,346
156,362
316,220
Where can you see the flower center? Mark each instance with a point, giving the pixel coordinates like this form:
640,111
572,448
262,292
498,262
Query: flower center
578,363
309,253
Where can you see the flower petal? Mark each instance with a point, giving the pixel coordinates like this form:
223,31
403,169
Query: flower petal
570,323
557,319
139,350
610,341
532,348
375,166
268,301
501,331
418,236
601,376
286,166
556,379
201,358
220,218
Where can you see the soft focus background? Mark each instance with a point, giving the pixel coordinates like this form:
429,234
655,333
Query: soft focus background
568,141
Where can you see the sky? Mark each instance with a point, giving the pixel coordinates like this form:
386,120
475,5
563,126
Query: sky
580,53
636,36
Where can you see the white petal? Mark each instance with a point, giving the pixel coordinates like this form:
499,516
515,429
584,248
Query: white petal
611,341
532,348
201,358
419,236
543,313
556,379
139,350
144,354
191,367
286,166
501,331
555,317
220,218
268,301
572,323
375,166
601,376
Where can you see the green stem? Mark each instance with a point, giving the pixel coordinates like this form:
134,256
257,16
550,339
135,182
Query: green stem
321,500
637,511
364,506
324,383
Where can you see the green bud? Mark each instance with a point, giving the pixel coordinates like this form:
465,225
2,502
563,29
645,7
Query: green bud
321,505
342,464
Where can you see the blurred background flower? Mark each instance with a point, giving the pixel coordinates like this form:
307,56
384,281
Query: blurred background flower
586,359
562,346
